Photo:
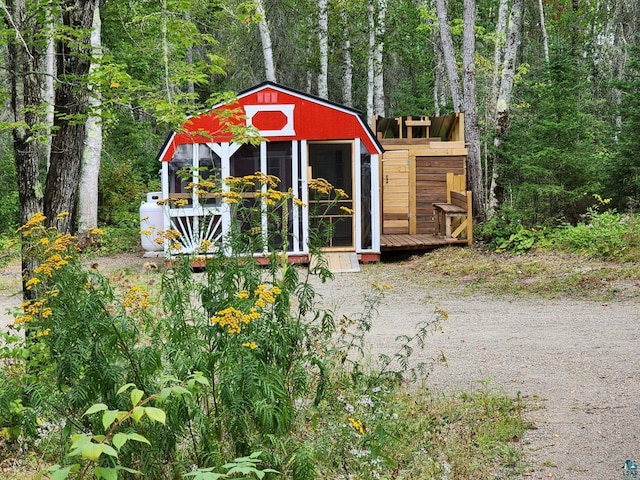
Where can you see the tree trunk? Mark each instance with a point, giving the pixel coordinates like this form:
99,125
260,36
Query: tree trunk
378,65
471,125
501,29
504,94
265,37
347,64
543,28
88,195
370,62
449,55
25,87
67,144
323,42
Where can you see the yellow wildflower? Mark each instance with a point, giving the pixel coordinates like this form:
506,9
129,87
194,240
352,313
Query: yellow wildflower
43,333
243,294
62,215
35,220
346,210
357,425
251,345
32,283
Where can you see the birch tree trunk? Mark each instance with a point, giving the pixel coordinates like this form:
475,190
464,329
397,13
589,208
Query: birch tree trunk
323,27
449,55
504,94
471,125
501,29
370,62
378,65
347,62
50,74
88,194
543,28
67,144
265,37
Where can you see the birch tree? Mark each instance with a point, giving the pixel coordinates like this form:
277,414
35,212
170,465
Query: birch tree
323,42
267,48
347,63
378,64
470,108
448,54
503,100
88,195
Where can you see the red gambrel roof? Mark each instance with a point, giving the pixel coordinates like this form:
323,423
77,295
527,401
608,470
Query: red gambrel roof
280,114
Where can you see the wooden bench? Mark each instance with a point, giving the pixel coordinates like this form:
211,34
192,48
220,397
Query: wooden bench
454,219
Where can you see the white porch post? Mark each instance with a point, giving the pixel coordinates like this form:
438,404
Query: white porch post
264,220
304,157
357,196
375,202
295,186
225,171
166,218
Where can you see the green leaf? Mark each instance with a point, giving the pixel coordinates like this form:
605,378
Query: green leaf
59,473
106,473
126,387
109,450
98,407
137,413
139,438
156,414
109,417
165,392
136,396
92,451
119,439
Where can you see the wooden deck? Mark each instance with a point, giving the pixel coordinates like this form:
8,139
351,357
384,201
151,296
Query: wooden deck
416,242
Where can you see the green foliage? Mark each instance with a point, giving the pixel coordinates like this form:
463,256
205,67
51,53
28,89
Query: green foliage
9,206
606,236
267,370
556,148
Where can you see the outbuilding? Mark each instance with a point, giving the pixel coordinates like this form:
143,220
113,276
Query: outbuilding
302,138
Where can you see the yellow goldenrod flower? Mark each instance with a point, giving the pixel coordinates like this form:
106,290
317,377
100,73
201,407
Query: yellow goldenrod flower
32,282
251,345
243,294
35,220
346,210
62,215
357,425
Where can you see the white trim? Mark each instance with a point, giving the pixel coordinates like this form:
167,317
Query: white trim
264,219
295,189
357,195
225,171
304,184
287,130
375,203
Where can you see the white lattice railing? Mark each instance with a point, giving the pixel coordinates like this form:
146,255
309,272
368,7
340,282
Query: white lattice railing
199,233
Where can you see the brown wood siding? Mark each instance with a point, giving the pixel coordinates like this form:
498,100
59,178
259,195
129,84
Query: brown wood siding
431,187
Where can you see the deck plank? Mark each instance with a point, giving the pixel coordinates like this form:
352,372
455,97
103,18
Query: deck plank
414,242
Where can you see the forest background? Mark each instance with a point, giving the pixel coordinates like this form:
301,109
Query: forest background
91,90
549,90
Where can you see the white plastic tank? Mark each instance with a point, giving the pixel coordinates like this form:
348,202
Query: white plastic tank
151,222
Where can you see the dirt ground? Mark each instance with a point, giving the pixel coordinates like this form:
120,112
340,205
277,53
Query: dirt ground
577,360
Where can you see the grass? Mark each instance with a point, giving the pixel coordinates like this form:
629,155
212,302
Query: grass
538,273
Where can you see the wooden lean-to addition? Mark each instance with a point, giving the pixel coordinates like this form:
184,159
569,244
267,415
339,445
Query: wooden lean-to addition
420,207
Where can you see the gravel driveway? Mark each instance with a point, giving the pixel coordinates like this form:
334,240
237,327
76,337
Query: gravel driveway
579,360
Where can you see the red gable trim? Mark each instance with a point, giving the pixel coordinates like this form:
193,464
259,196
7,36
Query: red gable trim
279,114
